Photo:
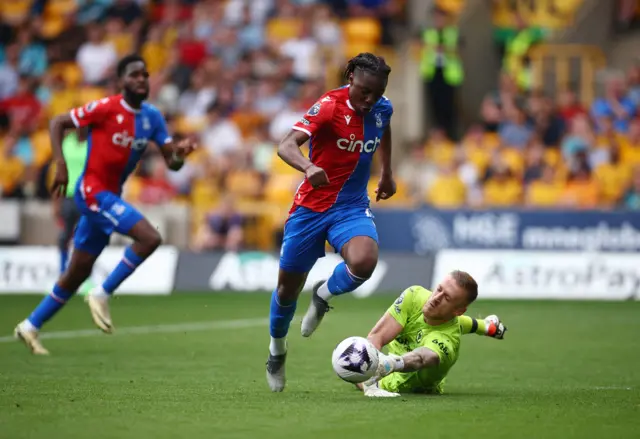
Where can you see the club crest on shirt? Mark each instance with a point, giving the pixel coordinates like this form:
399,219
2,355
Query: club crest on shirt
313,111
378,120
145,124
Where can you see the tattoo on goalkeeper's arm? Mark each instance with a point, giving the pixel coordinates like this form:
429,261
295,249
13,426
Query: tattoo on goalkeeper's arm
419,358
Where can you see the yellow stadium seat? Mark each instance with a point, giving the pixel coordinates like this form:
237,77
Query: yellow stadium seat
122,42
281,29
62,101
133,188
402,196
447,192
155,54
244,184
52,26
502,193
552,157
41,147
514,160
491,140
453,7
281,188
89,94
70,72
204,194
355,48
15,12
362,30
247,122
60,8
11,171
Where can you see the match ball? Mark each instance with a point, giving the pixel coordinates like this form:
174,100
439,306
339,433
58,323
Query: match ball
355,359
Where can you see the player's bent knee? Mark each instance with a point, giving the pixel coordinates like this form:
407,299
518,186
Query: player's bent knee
364,266
155,240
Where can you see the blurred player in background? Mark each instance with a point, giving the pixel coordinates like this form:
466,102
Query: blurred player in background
423,329
120,127
74,149
344,127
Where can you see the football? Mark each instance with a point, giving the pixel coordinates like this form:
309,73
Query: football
355,359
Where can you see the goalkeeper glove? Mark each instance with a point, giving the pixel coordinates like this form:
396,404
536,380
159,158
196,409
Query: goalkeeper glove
495,328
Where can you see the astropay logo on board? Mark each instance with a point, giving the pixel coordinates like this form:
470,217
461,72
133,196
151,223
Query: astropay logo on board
547,275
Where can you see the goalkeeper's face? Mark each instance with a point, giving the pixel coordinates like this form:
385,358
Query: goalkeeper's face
449,300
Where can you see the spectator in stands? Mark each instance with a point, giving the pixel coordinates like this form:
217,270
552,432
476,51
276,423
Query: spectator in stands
156,188
222,229
33,54
130,13
631,198
613,177
251,34
633,81
9,71
501,188
303,49
97,57
548,124
281,124
631,144
568,106
515,131
447,191
544,192
614,104
383,10
201,93
326,29
90,11
271,99
534,162
21,112
580,138
222,138
416,170
441,70
581,191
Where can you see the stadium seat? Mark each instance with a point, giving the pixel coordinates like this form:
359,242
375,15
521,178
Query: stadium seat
244,184
541,194
354,48
11,171
247,122
88,94
502,194
402,197
15,12
41,147
62,101
70,72
513,159
190,125
204,194
52,26
364,30
123,43
281,29
281,188
612,181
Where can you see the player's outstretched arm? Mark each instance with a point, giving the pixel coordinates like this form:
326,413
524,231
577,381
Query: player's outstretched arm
289,152
384,331
174,153
491,326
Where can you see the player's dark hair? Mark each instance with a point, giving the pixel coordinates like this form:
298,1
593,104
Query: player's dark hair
370,63
124,62
467,283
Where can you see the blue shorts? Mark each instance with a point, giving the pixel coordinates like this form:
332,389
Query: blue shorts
104,214
306,232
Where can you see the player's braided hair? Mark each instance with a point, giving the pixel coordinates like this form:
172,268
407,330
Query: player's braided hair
124,62
368,62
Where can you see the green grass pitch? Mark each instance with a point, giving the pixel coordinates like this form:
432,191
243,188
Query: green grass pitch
565,370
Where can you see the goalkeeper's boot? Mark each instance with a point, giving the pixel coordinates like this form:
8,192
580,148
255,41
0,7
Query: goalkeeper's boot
99,306
30,338
275,372
317,309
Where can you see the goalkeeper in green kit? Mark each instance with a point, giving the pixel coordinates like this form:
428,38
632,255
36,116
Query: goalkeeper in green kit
422,330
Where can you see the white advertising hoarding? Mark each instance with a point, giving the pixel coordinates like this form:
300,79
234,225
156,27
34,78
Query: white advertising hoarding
36,269
508,274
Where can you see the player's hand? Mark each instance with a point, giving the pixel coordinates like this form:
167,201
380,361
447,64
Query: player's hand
184,147
386,365
316,176
386,188
60,180
374,391
495,328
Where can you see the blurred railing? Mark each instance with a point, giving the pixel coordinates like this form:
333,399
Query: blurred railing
556,67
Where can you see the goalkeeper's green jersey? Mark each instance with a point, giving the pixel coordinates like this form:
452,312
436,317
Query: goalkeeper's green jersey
443,339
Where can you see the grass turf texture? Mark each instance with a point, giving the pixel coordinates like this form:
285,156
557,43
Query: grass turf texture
566,369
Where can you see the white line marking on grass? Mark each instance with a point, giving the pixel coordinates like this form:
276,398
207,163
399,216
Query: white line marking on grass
612,388
154,329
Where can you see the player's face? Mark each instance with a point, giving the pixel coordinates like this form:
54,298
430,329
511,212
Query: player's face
136,80
365,90
447,301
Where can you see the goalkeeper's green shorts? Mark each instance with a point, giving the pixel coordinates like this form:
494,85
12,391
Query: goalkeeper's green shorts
409,382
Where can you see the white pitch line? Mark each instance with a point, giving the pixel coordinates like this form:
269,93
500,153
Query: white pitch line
155,329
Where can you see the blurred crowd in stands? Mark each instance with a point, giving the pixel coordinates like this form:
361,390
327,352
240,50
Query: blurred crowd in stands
237,74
